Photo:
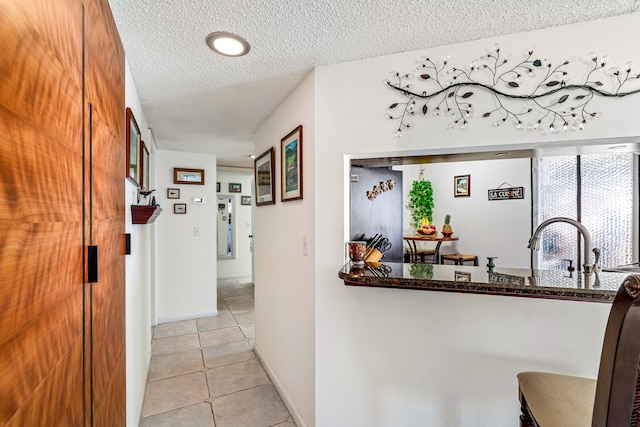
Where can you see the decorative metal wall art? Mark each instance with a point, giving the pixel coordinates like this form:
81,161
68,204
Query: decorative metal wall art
387,185
533,94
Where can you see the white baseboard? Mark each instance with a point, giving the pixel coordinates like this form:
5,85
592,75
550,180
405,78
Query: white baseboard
187,317
297,418
242,278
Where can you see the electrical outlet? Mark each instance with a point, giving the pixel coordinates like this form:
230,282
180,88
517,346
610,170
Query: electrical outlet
305,246
196,230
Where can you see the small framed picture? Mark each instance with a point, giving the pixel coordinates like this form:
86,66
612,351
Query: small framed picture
133,149
188,176
173,193
179,208
235,188
145,166
264,171
462,276
217,187
245,200
462,186
291,163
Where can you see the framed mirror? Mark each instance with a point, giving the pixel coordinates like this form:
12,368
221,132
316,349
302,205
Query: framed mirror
226,227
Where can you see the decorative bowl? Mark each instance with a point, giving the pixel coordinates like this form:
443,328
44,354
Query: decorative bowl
426,231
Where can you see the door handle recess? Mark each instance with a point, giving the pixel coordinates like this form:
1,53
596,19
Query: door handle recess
92,264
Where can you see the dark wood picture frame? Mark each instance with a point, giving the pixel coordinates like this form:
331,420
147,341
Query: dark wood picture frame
245,200
173,193
188,176
217,187
180,208
144,166
235,187
264,177
462,186
291,165
133,150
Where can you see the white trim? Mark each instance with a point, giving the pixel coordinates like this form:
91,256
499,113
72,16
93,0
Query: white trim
189,317
297,418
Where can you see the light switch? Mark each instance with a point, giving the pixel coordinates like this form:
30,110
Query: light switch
305,246
196,230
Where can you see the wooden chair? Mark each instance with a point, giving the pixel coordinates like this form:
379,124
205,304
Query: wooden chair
459,259
613,400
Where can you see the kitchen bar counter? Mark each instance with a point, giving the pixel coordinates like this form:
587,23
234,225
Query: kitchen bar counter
551,284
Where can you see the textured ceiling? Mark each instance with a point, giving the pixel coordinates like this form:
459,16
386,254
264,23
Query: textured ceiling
196,100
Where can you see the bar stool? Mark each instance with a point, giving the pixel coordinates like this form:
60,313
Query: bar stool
426,256
459,259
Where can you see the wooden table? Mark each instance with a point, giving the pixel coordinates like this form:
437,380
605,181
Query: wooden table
438,238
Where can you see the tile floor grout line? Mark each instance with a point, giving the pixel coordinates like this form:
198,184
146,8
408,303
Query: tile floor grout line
242,298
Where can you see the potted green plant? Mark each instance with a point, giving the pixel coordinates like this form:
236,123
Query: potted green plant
421,201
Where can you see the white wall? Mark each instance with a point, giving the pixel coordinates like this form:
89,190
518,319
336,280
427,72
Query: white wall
413,358
186,266
138,275
240,266
485,228
284,277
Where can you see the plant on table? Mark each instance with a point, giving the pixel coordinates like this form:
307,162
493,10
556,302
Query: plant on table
421,203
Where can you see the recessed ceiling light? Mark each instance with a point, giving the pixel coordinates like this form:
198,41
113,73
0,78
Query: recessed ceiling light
253,156
227,44
617,147
501,154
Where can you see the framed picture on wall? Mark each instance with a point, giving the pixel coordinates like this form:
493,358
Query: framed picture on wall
245,200
235,188
144,166
133,150
188,176
217,187
264,174
179,208
291,165
462,186
173,193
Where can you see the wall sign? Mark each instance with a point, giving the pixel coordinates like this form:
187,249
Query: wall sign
505,279
506,193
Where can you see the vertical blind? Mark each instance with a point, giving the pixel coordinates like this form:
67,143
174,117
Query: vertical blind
597,190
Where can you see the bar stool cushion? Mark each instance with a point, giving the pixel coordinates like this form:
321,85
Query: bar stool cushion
557,400
461,258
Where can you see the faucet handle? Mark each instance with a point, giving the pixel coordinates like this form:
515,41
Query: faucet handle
596,253
570,268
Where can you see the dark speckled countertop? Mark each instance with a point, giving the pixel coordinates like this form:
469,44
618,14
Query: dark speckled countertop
552,284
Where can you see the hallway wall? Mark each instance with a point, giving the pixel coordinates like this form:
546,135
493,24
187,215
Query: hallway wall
284,275
139,273
186,263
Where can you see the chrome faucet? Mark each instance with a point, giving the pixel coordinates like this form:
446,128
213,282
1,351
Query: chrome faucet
534,242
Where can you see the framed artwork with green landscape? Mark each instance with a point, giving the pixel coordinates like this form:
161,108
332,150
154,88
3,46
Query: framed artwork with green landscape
291,165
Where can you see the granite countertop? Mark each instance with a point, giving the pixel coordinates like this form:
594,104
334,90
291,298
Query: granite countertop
552,284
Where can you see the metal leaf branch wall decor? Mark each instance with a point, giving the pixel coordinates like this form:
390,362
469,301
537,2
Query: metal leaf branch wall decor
533,94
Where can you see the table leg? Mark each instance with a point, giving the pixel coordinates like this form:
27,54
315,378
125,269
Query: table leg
436,254
413,251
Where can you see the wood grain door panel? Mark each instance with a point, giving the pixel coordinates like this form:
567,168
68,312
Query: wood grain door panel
41,241
104,74
62,342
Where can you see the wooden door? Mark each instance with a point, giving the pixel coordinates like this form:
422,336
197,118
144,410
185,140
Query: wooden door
104,106
41,211
62,339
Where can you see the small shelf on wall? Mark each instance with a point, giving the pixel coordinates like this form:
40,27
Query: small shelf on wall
144,214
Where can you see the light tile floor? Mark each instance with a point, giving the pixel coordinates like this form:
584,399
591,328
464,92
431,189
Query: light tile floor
204,373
